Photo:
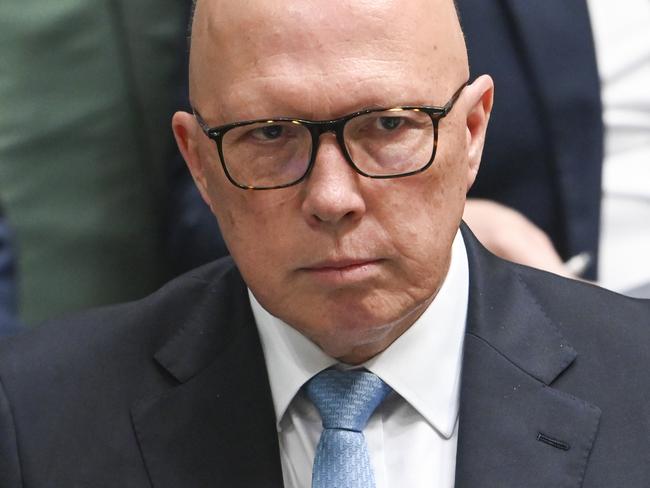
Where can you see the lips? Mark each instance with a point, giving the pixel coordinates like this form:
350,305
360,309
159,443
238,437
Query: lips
340,264
340,272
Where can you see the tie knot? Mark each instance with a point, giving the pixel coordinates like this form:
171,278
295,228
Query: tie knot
346,399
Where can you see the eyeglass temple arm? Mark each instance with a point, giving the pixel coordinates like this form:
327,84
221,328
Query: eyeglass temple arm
204,126
450,104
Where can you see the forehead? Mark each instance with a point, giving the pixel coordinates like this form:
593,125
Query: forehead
319,59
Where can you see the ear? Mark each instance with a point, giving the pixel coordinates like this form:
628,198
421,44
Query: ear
480,95
187,133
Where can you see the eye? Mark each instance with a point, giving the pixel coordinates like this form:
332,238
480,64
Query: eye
268,132
390,123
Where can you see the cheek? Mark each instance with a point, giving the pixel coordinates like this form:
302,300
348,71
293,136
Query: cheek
423,220
256,225
429,208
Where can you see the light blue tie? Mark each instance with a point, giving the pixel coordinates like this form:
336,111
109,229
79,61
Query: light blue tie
345,400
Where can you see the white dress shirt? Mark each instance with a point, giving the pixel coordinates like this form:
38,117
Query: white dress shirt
623,52
412,436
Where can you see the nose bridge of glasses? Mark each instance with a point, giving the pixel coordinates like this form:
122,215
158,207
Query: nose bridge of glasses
322,127
319,128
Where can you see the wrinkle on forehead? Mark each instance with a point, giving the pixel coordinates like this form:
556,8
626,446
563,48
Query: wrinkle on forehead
311,40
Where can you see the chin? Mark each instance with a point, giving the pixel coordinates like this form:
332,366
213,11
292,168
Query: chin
354,346
340,333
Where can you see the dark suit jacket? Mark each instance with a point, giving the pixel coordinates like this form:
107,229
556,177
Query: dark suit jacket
544,147
172,391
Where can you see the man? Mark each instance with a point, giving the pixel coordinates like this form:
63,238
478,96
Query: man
335,143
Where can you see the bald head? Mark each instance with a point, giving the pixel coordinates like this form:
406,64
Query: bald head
255,41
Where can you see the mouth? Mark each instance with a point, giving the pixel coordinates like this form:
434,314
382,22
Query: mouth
343,271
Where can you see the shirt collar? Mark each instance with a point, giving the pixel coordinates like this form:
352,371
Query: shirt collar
429,381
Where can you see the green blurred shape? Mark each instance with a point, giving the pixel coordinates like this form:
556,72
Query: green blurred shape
86,91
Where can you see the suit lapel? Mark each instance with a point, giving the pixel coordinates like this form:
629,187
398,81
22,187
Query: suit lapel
217,427
515,429
555,37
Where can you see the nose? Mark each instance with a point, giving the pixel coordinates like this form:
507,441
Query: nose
332,194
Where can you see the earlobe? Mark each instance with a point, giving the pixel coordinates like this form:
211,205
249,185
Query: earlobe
186,133
481,94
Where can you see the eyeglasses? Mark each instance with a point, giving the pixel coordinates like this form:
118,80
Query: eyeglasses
267,154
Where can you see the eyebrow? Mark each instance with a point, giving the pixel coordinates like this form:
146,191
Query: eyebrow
374,107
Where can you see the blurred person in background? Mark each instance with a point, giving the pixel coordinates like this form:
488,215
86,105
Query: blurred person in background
85,91
562,68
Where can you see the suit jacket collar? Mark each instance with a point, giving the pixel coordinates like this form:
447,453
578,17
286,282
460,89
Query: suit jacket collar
217,426
515,428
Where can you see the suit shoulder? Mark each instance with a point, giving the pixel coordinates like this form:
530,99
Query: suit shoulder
131,331
610,331
584,300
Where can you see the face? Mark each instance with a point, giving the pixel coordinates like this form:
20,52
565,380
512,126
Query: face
349,261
